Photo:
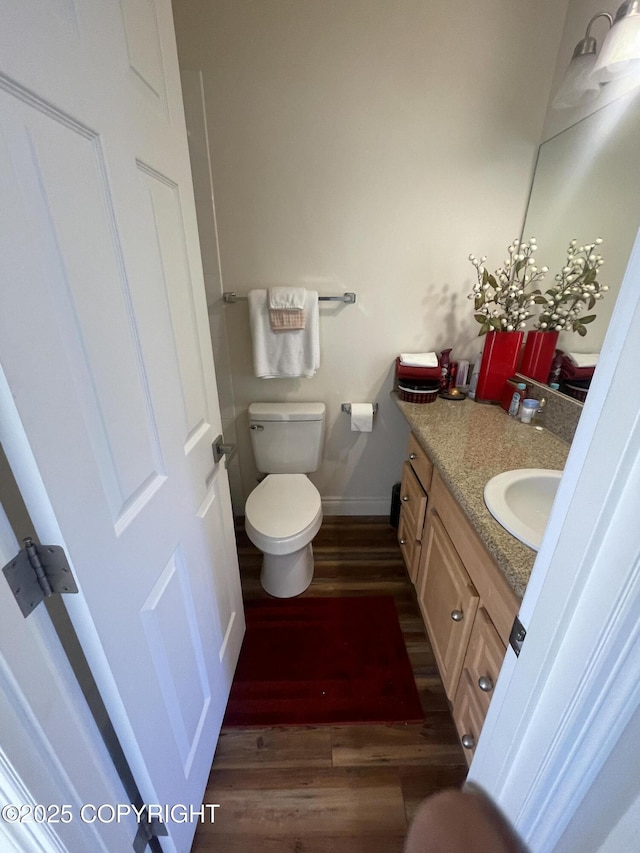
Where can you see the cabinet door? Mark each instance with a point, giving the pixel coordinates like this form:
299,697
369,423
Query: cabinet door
448,601
482,664
420,462
485,655
468,715
410,547
413,504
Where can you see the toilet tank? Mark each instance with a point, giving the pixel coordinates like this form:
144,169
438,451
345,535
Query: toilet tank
287,437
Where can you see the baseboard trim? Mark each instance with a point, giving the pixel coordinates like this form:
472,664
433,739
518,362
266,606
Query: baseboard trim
356,506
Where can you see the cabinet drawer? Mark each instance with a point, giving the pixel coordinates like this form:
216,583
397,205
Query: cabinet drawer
485,655
448,601
420,462
468,715
413,502
410,548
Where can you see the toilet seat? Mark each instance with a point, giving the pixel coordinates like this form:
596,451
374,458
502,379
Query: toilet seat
283,513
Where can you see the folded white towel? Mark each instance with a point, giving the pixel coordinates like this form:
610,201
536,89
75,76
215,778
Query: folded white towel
583,359
294,353
287,298
419,359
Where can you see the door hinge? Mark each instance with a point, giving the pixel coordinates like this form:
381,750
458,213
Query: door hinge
37,572
220,449
149,828
517,635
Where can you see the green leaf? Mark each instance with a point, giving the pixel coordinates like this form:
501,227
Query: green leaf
589,319
592,302
495,324
492,281
478,302
485,276
480,318
540,300
580,329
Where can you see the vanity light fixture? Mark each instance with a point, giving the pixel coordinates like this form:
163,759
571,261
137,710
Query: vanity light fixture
620,54
619,57
579,85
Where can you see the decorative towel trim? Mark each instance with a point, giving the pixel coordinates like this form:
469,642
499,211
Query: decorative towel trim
286,321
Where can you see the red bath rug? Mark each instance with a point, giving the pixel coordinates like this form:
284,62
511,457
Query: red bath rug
323,661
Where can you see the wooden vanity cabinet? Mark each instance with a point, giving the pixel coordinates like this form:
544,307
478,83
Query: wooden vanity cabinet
466,602
414,489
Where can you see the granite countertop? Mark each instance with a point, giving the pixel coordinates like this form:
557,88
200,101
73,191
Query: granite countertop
469,443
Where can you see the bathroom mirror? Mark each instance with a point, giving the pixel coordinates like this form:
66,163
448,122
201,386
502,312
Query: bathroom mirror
586,185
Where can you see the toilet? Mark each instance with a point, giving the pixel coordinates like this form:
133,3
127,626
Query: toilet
284,512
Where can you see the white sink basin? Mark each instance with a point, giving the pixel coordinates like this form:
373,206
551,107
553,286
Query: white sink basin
521,501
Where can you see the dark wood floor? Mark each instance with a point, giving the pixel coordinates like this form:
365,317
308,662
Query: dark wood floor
343,789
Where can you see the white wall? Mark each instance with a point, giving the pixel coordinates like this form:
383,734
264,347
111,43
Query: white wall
366,145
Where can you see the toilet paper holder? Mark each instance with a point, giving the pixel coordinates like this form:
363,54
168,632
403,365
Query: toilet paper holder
346,407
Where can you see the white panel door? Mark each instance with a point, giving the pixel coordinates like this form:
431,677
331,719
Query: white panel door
40,730
105,347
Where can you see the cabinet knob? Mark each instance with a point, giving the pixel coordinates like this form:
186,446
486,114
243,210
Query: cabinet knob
403,541
413,456
457,615
485,684
468,741
405,498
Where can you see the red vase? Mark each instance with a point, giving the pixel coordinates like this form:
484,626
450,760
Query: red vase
538,355
499,362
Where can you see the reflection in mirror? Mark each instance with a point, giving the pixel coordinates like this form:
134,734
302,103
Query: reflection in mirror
587,185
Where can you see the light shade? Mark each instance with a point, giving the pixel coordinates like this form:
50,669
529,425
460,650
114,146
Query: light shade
620,54
579,86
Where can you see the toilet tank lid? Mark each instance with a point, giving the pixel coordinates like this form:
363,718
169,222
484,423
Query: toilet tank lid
286,411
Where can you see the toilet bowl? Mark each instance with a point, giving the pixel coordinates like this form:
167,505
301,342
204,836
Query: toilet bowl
282,515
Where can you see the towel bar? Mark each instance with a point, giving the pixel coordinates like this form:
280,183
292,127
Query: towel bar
348,298
346,407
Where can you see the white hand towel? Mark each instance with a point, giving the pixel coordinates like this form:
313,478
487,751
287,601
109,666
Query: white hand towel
419,359
287,298
294,354
583,359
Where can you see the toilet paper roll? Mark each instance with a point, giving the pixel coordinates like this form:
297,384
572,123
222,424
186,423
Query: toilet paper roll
361,417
